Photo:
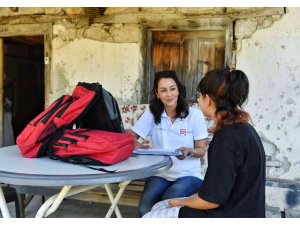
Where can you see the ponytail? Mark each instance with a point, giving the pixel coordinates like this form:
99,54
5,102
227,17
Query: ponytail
229,89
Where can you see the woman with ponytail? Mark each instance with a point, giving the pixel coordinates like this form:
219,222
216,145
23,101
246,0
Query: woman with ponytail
234,183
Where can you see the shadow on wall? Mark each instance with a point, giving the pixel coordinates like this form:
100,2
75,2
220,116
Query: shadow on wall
292,198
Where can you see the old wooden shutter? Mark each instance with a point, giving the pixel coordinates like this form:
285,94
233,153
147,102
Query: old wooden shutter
190,53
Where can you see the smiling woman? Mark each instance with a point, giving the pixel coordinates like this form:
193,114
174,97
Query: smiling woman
167,93
172,125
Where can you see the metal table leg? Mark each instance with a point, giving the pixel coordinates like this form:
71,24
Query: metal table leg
53,202
3,205
114,201
111,198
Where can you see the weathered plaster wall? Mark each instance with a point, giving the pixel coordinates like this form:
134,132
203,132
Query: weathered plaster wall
89,55
270,58
110,49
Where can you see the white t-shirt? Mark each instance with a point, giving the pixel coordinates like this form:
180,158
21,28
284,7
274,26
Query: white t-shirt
168,135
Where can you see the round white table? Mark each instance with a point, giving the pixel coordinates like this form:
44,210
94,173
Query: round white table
17,170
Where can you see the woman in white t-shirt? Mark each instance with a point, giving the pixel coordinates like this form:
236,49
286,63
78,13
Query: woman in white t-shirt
172,124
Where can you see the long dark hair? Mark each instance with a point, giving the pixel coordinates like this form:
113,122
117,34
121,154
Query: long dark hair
229,89
157,107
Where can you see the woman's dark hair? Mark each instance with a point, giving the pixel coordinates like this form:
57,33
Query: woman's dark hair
229,89
157,107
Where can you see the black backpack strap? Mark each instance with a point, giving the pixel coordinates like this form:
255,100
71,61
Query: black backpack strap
66,104
61,144
101,169
48,143
78,134
62,111
71,140
51,111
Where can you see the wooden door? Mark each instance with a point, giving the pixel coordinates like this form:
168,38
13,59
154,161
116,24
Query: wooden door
190,53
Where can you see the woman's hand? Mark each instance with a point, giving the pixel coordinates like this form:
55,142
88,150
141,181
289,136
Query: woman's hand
138,145
175,202
197,152
193,201
185,152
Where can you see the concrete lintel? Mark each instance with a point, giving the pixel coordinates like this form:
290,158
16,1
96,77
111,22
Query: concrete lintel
19,29
168,21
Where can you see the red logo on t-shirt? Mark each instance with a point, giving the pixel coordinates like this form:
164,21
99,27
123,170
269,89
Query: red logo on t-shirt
182,132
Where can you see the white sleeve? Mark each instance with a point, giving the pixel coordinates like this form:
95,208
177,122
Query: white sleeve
198,125
144,125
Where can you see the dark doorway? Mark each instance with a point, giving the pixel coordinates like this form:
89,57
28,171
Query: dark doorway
24,88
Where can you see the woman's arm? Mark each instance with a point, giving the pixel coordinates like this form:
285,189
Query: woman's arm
194,201
137,144
200,148
133,134
198,151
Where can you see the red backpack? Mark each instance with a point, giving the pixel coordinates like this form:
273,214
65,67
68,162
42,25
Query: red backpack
92,147
61,113
90,107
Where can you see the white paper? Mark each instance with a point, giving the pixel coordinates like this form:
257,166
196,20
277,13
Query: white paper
157,151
